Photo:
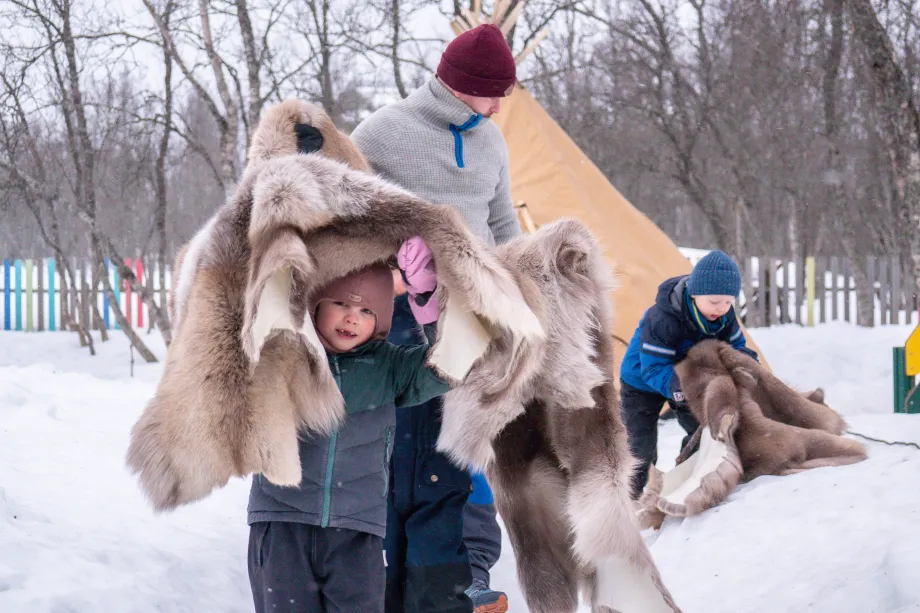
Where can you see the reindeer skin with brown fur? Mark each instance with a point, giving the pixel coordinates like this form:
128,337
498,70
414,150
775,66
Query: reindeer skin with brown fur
752,424
556,453
246,371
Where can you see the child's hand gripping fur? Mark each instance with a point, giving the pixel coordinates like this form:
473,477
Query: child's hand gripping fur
416,262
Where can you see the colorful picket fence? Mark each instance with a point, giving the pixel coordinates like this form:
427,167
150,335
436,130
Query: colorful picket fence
782,291
33,300
779,290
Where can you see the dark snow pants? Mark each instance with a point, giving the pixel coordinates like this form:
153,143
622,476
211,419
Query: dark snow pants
640,410
428,566
299,568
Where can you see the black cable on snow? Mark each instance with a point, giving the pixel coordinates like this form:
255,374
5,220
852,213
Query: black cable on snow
880,440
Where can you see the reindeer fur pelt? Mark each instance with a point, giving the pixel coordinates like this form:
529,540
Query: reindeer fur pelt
752,424
246,371
555,451
533,399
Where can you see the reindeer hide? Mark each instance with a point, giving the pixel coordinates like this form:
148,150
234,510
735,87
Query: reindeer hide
752,424
555,449
246,371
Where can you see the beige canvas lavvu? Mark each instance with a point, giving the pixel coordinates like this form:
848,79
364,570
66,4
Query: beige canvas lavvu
554,178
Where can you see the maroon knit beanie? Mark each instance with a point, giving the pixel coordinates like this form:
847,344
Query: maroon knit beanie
479,63
370,287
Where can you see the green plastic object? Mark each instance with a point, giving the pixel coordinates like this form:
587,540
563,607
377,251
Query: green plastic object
906,396
902,383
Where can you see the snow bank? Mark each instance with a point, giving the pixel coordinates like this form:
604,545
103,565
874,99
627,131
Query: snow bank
77,536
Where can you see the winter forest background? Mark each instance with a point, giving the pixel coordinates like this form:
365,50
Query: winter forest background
784,127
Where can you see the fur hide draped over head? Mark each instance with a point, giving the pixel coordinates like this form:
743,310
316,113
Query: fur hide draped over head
752,424
523,336
246,370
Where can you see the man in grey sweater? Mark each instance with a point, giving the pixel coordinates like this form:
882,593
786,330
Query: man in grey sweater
440,144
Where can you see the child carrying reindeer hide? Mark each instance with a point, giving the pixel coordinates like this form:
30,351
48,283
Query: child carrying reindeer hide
522,338
751,424
688,310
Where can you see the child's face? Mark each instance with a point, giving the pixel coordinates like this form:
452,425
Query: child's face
345,326
713,307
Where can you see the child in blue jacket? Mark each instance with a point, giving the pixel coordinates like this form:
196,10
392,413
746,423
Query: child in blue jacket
688,309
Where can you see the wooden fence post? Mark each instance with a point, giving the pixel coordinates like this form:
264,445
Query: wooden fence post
895,305
774,291
847,278
127,310
19,295
883,285
94,295
84,296
821,287
139,272
40,274
749,292
29,321
870,279
788,296
800,291
810,291
116,288
73,306
105,299
51,274
6,295
163,293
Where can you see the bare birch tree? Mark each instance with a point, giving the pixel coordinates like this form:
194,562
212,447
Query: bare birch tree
900,119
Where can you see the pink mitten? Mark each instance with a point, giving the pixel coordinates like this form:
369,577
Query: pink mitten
415,260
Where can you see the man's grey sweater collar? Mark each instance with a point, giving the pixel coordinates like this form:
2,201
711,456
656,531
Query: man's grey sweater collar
435,104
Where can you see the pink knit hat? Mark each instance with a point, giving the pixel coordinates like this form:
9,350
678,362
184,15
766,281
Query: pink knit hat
370,288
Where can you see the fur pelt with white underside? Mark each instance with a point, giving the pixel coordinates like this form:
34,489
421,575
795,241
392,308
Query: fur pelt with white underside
246,370
556,452
523,334
752,424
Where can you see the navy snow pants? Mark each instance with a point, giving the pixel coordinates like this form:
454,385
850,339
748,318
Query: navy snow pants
640,411
428,561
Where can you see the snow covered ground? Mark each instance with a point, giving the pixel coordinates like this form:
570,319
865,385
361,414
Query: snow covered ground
77,536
